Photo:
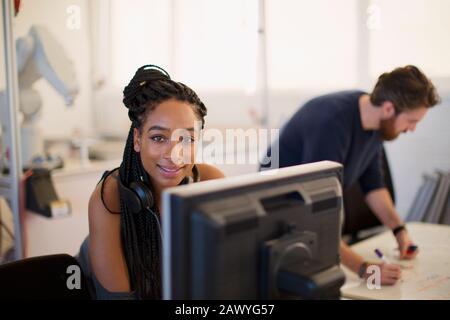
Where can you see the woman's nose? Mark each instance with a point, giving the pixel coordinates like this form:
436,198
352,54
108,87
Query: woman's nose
174,153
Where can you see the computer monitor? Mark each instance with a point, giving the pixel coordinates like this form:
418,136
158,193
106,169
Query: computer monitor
267,235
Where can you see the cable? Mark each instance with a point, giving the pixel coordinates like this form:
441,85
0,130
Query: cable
158,224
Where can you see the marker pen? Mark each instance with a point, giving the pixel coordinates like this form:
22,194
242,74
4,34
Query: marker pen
381,256
411,249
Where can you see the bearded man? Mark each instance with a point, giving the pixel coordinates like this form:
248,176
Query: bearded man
349,127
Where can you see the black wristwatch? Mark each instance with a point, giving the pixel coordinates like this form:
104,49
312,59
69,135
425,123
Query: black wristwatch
362,269
398,229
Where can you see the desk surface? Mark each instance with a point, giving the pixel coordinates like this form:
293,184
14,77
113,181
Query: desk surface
426,277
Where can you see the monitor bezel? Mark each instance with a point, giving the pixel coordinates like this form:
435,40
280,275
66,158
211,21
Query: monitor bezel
222,185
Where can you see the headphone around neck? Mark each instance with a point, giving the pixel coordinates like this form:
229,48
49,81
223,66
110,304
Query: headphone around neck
139,197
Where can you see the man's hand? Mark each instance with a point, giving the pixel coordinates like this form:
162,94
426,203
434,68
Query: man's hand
404,242
380,202
390,273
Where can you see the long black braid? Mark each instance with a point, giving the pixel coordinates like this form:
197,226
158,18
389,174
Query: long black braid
149,87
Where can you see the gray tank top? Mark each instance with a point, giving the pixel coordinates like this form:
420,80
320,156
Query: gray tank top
96,290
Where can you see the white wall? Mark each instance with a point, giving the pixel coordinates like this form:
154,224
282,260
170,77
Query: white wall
212,47
411,32
2,70
58,121
2,53
312,44
424,151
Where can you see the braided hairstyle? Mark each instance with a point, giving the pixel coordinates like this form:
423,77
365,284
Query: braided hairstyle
149,87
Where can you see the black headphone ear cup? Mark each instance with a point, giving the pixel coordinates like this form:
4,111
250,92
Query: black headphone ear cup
196,174
144,194
130,197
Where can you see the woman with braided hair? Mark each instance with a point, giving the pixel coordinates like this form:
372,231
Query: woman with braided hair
121,256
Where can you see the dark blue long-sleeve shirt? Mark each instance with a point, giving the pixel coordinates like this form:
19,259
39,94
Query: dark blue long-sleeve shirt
329,128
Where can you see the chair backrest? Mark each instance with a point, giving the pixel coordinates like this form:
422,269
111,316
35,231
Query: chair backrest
44,277
358,216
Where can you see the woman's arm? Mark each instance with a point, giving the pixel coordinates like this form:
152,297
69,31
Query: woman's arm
105,248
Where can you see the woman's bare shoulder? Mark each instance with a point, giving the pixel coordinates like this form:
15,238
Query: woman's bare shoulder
209,172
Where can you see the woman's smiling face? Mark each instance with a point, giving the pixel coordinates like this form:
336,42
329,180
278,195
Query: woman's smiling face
166,142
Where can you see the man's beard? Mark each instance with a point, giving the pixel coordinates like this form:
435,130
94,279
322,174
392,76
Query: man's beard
387,129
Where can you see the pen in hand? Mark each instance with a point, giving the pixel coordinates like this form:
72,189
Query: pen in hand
389,272
382,256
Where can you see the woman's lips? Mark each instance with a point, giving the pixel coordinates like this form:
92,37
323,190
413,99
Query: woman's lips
169,172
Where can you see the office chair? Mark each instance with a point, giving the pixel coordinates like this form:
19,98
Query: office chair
358,216
43,277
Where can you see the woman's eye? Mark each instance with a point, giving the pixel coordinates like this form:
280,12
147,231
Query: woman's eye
158,138
188,139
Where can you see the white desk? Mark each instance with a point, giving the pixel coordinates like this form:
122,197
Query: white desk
426,277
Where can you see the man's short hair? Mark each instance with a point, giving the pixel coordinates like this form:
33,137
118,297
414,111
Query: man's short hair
407,88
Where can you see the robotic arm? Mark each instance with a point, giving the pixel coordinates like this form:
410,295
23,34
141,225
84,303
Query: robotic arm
39,55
